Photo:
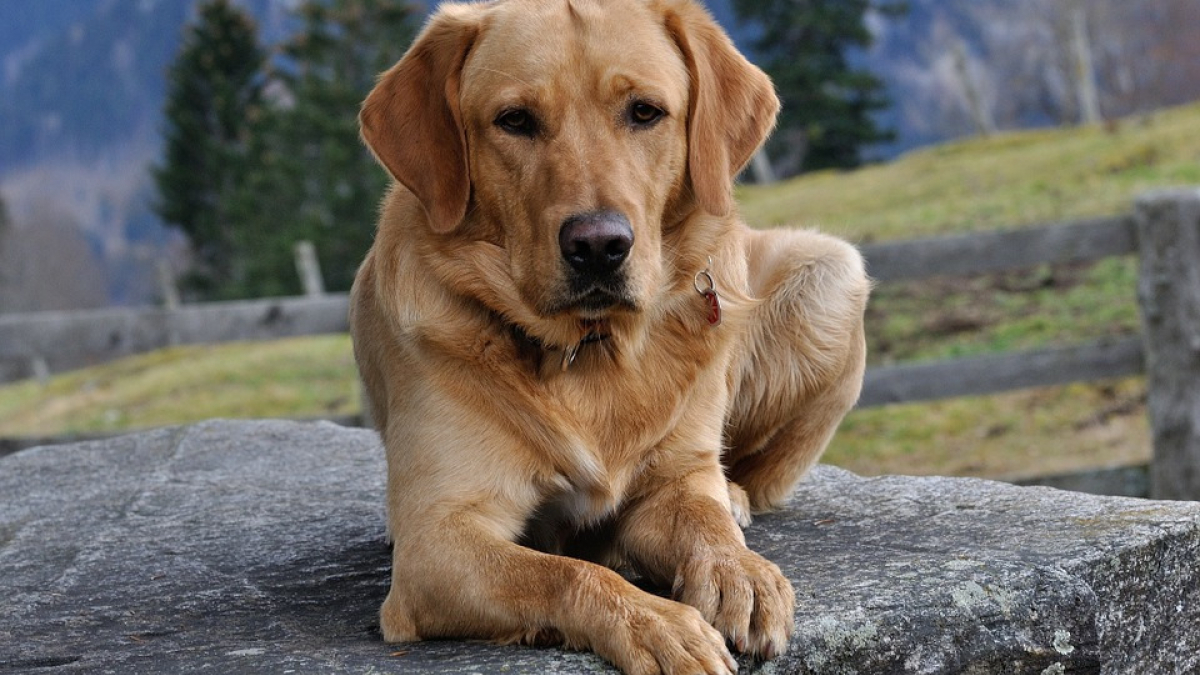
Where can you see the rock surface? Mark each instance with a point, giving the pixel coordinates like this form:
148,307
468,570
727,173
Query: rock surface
258,547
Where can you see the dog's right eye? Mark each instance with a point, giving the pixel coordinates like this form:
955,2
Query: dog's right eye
643,114
517,121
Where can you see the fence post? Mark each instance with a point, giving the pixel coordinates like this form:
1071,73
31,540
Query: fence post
1168,227
170,298
760,166
167,285
309,269
39,369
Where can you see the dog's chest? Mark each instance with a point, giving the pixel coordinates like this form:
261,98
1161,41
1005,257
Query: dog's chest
600,421
628,409
617,426
623,413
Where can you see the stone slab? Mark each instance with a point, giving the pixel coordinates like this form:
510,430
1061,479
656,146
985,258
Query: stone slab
258,547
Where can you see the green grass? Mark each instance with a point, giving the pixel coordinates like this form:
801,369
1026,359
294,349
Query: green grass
1046,306
297,377
1001,182
1015,434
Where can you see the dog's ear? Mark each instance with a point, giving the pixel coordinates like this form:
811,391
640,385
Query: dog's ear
732,105
412,120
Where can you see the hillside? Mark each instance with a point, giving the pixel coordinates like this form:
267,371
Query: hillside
1007,180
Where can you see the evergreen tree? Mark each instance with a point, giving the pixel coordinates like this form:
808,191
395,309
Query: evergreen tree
312,178
827,103
214,91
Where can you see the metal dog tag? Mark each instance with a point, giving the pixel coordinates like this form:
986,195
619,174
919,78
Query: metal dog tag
707,287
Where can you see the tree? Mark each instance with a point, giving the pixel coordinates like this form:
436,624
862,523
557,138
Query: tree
827,103
311,177
214,93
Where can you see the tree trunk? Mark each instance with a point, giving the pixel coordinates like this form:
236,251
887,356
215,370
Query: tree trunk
1085,71
984,123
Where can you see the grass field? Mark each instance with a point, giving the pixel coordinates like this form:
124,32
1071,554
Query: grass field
1005,181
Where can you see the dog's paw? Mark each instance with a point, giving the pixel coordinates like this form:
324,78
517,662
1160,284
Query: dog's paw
739,505
395,622
659,636
743,595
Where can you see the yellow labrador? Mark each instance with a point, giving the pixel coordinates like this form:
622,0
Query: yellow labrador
576,354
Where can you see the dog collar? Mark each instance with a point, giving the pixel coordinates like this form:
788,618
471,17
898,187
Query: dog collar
594,331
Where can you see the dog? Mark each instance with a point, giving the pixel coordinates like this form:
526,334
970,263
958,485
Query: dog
577,356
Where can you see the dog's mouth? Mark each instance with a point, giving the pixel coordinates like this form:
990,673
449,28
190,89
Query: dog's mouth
595,302
598,299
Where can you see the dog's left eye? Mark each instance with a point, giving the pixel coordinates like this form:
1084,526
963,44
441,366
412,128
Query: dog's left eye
644,114
517,121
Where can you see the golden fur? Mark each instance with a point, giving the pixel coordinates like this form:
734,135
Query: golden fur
516,475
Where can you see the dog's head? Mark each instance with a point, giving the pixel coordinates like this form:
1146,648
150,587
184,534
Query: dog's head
572,134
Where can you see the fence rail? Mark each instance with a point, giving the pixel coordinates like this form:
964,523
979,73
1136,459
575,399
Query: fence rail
1001,372
66,340
1002,250
53,341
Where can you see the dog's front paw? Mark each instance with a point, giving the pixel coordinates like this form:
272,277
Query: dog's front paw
395,621
743,595
658,636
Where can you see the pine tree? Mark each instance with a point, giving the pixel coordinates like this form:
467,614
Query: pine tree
827,103
312,177
214,91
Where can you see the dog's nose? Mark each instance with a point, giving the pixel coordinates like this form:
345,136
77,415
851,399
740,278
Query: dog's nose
596,243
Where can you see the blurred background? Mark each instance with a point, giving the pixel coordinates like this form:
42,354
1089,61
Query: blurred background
179,153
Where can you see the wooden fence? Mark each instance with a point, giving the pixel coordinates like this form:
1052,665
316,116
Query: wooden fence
57,341
1164,229
987,252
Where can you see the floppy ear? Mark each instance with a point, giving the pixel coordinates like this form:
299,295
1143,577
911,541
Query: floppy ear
732,105
412,121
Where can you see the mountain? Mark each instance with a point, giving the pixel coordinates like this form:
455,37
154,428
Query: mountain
83,75
89,84
80,115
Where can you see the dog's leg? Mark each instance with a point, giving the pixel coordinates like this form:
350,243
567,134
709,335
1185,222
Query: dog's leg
457,576
739,505
801,370
681,532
